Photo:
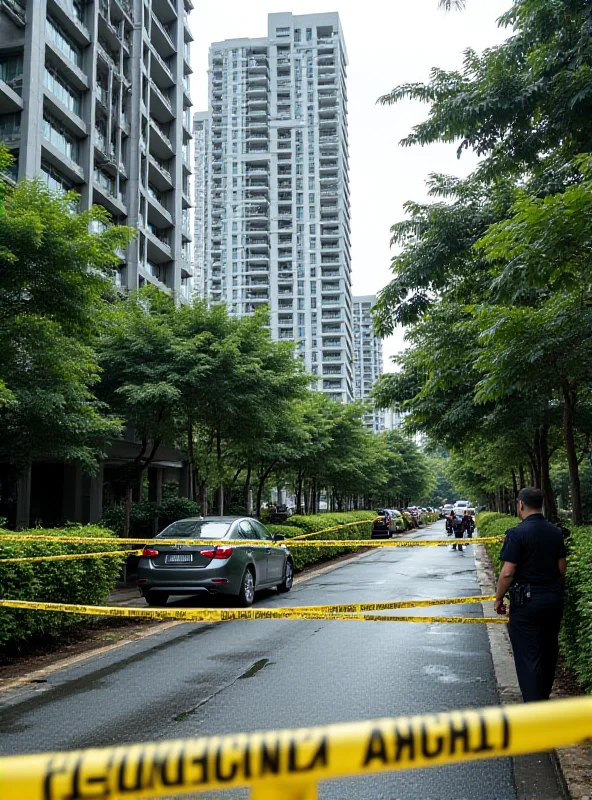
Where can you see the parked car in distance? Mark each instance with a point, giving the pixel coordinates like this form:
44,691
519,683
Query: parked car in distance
446,509
232,568
388,522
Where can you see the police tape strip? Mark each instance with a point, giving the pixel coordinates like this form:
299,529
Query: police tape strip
71,556
284,761
354,543
350,608
229,614
336,528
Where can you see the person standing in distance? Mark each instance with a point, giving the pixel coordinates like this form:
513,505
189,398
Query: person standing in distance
533,571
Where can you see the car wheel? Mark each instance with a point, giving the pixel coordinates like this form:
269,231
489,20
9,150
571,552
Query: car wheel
156,598
288,581
247,591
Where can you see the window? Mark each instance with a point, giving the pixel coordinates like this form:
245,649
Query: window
298,35
313,258
282,33
11,68
309,34
311,182
63,42
311,198
313,287
59,87
313,243
60,137
234,266
55,181
313,212
311,230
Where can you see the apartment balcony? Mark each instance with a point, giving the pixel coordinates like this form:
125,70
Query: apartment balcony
285,304
158,245
160,72
165,10
257,294
10,134
330,301
161,107
187,35
160,144
158,212
257,90
159,175
106,195
330,288
285,336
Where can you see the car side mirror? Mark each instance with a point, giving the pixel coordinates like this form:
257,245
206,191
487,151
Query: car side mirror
279,537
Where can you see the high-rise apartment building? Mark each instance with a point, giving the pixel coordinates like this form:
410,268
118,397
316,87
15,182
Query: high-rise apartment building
368,365
94,96
274,188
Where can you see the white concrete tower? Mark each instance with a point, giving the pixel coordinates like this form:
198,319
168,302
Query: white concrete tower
276,188
368,365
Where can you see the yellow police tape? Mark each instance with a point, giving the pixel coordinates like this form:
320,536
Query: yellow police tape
336,528
229,614
286,760
254,542
71,556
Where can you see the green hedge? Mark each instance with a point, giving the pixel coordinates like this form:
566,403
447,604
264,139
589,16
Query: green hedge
87,581
298,525
576,632
143,515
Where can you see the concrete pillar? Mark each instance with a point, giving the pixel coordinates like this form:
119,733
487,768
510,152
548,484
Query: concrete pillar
185,480
23,502
73,494
33,71
96,497
155,480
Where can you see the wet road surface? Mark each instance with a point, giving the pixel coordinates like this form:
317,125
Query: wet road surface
196,679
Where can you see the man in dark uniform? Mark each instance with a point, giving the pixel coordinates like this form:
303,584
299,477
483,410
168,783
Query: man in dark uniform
533,571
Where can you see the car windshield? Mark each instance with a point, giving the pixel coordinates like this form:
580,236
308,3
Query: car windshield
195,529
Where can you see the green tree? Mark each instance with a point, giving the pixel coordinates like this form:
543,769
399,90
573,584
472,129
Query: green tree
54,279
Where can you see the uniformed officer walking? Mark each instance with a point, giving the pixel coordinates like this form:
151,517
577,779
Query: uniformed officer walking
533,571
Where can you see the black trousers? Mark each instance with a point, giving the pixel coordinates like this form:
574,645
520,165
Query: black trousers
458,535
534,633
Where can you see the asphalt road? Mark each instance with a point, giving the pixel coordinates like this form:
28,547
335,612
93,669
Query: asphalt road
241,676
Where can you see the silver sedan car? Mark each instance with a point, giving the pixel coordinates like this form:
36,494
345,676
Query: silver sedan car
231,568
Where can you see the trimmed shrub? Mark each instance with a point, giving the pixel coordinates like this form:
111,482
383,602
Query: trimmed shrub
143,515
87,581
298,525
576,632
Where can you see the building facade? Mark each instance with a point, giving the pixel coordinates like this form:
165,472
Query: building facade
94,96
368,366
274,189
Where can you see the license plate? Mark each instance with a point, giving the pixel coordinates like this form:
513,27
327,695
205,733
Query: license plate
178,559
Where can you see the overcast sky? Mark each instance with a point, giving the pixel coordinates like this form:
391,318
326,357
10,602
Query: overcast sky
388,44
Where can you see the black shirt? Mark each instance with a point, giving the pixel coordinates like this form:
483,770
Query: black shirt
535,546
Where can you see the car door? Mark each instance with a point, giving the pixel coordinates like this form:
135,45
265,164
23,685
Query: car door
276,556
258,553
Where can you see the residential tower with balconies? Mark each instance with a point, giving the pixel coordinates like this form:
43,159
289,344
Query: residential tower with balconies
368,364
94,97
274,175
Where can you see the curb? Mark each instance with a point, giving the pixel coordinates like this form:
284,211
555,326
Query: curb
509,692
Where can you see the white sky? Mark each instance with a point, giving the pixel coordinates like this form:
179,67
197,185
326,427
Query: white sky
388,44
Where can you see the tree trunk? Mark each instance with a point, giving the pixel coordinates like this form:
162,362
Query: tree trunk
550,504
221,500
127,511
515,486
247,491
522,478
569,408
299,483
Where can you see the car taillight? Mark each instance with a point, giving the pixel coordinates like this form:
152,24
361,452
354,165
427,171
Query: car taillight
149,552
218,552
